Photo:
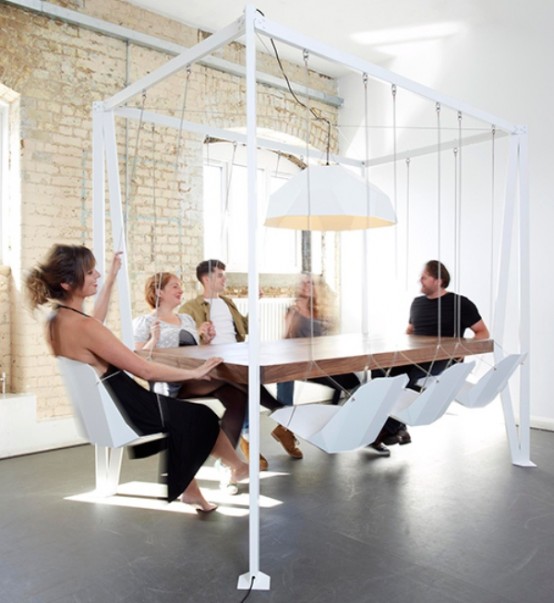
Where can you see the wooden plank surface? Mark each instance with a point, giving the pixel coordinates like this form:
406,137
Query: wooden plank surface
291,359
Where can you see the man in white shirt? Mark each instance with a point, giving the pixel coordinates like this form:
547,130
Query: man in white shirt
228,325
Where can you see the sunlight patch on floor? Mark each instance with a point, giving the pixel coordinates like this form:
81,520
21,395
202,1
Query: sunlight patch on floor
149,495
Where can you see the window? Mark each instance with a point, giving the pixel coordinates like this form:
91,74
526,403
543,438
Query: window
226,210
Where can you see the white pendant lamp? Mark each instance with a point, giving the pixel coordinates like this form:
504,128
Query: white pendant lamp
329,197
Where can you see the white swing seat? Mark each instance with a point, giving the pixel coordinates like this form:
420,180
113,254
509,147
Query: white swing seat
101,422
489,386
415,408
353,425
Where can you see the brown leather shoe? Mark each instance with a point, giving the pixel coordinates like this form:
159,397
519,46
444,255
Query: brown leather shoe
403,437
244,445
288,441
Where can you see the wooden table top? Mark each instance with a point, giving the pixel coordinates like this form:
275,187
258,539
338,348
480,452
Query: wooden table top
297,359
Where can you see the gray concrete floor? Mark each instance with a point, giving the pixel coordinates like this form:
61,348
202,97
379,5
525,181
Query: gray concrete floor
445,519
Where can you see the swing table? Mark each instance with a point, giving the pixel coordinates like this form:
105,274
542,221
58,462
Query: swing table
303,358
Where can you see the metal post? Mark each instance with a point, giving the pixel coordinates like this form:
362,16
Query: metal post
519,457
253,579
118,229
525,305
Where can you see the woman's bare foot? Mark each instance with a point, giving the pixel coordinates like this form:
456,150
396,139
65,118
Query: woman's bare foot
239,472
193,496
200,505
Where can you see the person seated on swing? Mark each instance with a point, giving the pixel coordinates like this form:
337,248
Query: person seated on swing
228,325
312,315
456,313
66,279
165,328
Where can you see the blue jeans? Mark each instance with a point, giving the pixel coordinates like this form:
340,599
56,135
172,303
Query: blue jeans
285,392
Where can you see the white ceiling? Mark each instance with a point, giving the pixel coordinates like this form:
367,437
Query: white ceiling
375,30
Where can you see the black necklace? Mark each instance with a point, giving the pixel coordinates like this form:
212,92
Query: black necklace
58,306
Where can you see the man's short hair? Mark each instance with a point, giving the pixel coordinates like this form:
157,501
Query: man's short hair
439,271
207,267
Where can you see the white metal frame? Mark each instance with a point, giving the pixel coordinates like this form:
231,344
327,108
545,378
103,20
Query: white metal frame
247,28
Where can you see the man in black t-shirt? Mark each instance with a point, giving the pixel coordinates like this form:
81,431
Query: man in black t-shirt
440,313
437,313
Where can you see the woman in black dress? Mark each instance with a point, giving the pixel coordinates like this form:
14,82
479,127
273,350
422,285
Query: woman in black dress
66,278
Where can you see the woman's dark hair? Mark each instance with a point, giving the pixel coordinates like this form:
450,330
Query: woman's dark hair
156,282
63,264
439,271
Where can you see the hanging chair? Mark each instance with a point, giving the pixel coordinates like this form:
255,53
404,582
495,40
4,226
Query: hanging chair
353,425
101,422
484,391
415,408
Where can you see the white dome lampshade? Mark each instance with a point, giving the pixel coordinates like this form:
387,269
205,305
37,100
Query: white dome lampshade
329,197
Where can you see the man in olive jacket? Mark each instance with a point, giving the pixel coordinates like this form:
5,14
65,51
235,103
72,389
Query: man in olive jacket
228,325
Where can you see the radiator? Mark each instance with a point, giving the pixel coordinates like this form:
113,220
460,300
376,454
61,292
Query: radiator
272,315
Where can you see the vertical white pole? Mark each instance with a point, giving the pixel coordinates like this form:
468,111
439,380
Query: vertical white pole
253,578
98,179
501,301
365,235
118,229
499,326
525,306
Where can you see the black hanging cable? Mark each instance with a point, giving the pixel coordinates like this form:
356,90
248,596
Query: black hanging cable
249,589
313,111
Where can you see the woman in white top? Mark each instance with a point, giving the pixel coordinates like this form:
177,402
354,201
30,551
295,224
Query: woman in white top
165,328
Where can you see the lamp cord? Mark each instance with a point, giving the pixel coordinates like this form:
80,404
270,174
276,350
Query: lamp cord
310,109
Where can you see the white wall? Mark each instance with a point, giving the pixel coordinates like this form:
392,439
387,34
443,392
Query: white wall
506,71
22,433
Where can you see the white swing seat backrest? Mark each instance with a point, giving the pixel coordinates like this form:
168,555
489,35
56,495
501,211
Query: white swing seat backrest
423,408
489,386
100,418
353,425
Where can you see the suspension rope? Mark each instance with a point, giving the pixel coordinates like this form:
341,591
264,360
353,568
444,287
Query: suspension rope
307,113
131,184
176,169
137,139
438,115
457,314
493,194
395,175
181,120
365,250
224,229
407,220
458,225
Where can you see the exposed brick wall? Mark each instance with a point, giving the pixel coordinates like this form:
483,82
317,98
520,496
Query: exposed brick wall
58,71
